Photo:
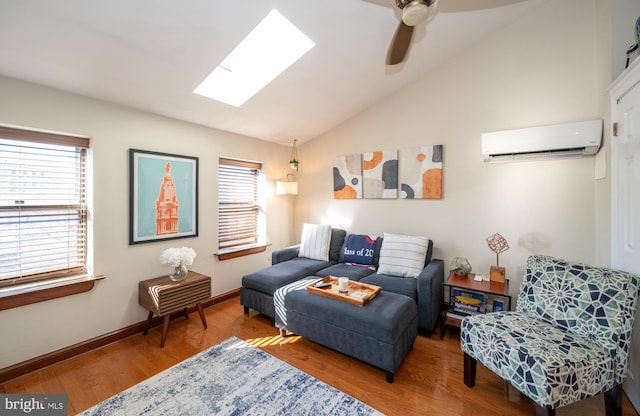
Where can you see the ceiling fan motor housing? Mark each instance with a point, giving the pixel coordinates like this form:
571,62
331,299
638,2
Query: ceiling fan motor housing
414,12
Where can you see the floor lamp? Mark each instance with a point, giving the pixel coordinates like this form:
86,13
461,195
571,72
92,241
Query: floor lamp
289,187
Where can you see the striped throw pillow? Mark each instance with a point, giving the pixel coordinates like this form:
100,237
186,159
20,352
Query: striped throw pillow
402,255
315,241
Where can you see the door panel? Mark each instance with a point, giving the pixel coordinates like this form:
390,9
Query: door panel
625,221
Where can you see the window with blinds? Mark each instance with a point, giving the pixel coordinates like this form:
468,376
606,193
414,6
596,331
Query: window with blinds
43,210
238,203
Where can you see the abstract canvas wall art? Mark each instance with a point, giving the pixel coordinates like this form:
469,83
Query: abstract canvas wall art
347,177
380,174
421,172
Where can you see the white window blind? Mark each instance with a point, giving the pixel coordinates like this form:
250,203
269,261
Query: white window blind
43,212
238,205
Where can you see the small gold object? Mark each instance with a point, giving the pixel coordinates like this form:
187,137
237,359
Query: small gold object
497,244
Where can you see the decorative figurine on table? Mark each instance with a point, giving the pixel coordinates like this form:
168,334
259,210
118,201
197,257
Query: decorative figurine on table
460,266
497,244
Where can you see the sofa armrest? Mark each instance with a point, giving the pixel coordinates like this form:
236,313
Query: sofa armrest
430,296
284,254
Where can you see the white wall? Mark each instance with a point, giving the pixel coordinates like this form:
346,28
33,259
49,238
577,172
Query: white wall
604,62
623,33
540,70
33,330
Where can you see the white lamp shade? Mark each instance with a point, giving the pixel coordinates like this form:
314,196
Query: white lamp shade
286,188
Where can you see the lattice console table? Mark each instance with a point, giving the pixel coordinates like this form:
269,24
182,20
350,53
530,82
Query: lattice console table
163,296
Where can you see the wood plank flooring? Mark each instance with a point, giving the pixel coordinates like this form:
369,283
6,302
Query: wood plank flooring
428,383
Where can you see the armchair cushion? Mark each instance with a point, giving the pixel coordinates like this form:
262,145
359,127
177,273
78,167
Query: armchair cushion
552,366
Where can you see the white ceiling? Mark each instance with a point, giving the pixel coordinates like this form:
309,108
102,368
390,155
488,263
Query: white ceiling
151,54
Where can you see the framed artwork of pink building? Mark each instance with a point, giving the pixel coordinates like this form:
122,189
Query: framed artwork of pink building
163,196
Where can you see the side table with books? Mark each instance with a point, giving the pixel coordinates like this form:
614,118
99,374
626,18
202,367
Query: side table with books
468,296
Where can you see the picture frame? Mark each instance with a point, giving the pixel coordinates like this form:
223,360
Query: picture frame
163,196
421,171
380,174
347,177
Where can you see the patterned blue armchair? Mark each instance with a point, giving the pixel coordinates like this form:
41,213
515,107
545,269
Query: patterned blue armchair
568,339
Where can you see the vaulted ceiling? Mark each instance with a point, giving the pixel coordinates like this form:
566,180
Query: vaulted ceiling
151,54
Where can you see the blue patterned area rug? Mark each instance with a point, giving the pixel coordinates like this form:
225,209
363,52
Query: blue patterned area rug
231,378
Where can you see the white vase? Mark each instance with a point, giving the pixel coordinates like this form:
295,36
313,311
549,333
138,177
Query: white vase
179,273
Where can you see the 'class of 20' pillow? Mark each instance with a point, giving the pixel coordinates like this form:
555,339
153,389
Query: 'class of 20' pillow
358,250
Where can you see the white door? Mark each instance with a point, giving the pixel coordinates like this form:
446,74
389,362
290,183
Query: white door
625,196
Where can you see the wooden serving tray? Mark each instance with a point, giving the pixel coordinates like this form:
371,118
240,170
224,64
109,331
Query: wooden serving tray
358,294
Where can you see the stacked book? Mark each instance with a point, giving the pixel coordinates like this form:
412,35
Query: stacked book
465,304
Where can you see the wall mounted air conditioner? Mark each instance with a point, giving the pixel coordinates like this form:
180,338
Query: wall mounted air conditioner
556,141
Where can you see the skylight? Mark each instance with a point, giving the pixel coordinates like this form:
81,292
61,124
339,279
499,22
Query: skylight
270,48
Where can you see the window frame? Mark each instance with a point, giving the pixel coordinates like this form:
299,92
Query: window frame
258,245
21,291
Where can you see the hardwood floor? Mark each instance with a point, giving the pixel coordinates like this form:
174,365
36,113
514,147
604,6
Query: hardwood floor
428,383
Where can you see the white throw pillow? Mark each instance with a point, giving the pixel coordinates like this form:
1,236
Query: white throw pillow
402,255
315,241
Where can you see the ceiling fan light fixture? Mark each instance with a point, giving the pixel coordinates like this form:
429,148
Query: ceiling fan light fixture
415,12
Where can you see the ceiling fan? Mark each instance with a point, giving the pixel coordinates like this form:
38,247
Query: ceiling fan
414,12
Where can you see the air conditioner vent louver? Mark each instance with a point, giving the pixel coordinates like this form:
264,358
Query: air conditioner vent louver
556,141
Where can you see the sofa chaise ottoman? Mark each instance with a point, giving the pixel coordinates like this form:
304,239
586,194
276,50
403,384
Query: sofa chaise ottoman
380,333
290,264
287,266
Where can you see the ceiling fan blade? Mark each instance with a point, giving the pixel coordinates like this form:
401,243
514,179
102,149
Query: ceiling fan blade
399,44
472,5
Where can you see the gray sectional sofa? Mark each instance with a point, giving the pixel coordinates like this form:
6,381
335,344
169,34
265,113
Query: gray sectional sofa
287,267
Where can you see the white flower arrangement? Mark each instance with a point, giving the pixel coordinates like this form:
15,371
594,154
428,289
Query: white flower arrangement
177,256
